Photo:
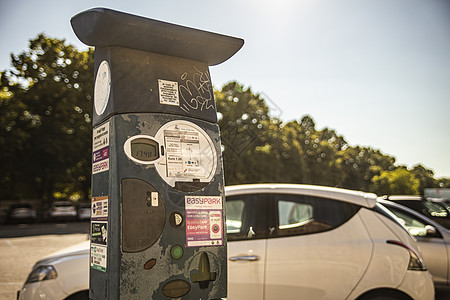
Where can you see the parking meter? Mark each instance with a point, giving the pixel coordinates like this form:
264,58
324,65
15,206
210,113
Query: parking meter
158,213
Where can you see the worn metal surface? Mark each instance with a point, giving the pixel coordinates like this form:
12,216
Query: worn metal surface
134,84
149,73
126,275
93,27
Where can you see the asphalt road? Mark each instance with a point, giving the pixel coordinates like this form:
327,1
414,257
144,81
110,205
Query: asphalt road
22,245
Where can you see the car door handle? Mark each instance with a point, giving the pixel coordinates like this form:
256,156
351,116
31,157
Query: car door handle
245,258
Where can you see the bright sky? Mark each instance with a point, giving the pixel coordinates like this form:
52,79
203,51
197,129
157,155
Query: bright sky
376,71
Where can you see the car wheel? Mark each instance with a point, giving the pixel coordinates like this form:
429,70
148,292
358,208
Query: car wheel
83,295
385,295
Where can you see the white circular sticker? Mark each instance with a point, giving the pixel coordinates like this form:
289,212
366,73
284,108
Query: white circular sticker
102,87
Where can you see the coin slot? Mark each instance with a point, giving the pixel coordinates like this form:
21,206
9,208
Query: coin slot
150,264
176,288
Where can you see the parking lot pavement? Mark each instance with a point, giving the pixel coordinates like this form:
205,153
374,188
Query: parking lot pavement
22,245
36,229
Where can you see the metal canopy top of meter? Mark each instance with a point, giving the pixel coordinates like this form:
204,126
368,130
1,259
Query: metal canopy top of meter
101,27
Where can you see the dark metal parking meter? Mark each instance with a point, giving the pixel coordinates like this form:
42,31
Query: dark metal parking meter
158,218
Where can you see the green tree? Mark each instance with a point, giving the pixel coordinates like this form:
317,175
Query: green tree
397,182
358,165
425,177
308,153
443,183
45,118
245,127
45,123
320,148
258,148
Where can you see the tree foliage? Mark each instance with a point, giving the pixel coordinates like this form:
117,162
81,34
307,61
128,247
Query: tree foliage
45,116
259,148
245,127
397,182
45,123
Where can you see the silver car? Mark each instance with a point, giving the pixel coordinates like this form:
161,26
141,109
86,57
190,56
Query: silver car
433,240
84,211
63,211
434,209
21,212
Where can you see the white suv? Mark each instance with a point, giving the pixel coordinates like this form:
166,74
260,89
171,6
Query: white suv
288,242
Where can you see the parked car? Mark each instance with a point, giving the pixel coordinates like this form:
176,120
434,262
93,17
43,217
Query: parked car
318,242
61,275
84,211
63,211
442,201
433,240
291,241
434,209
21,213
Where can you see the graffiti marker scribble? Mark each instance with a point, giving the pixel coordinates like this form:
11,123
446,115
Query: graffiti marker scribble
196,91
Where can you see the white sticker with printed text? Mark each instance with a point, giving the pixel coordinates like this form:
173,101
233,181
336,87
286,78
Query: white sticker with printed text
168,92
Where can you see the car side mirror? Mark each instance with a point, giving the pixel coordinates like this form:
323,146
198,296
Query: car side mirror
431,231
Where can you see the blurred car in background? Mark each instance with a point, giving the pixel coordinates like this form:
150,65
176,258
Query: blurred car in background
21,213
429,207
61,275
62,211
84,211
433,240
441,201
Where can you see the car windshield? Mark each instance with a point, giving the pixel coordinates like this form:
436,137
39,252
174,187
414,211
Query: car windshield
436,209
414,226
380,208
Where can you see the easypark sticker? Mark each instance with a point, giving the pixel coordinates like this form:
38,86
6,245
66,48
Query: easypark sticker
204,221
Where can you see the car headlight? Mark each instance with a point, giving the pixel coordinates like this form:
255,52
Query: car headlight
42,273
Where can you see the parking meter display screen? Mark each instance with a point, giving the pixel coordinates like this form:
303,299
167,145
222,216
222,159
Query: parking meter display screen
144,149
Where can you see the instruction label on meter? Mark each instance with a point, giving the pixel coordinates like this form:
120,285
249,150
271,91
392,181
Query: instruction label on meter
100,149
99,233
168,92
98,258
204,221
99,209
183,153
189,153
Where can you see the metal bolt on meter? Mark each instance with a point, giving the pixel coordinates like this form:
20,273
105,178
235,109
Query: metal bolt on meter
158,213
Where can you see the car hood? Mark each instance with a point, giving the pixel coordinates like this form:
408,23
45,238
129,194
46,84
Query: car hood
77,249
